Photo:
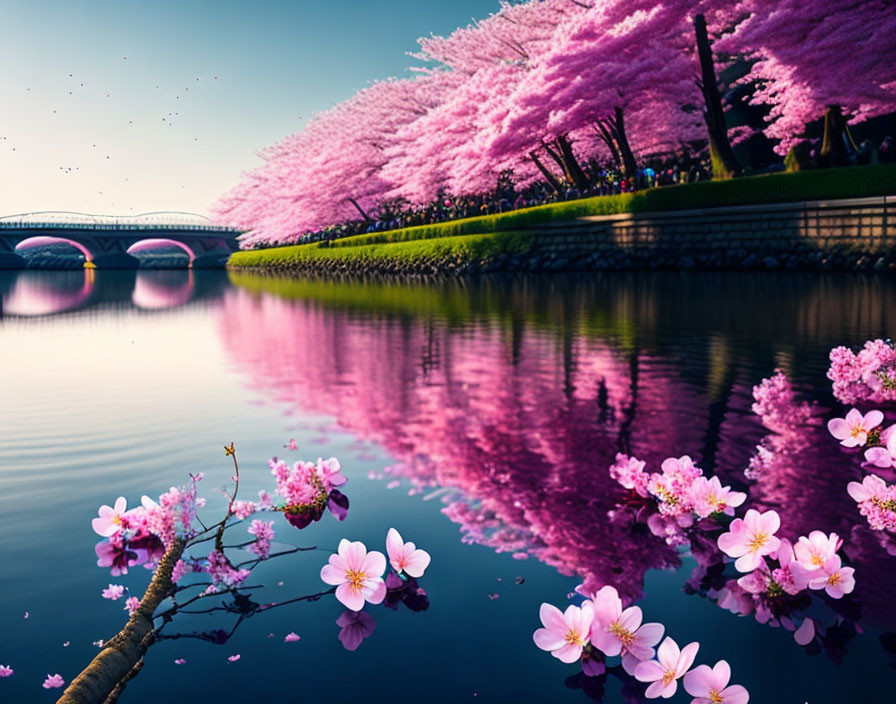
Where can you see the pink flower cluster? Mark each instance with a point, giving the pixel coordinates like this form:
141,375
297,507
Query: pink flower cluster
811,562
308,488
600,628
877,502
264,534
869,375
681,490
358,574
223,574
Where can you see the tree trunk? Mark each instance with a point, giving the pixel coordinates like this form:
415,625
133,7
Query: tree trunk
125,651
555,155
607,136
837,143
572,164
625,150
360,209
724,163
549,177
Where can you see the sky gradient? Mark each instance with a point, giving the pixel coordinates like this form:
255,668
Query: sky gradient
125,106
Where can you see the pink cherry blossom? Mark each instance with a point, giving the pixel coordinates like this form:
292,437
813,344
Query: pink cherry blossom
834,579
883,456
292,444
357,574
132,604
877,502
180,661
618,632
53,682
791,576
233,658
751,537
291,637
710,685
708,496
405,557
111,519
565,634
664,672
6,671
814,551
113,592
853,430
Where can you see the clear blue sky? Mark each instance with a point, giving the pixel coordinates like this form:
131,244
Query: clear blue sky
128,106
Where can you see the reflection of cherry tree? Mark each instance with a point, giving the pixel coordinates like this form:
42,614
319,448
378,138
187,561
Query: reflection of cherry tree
520,426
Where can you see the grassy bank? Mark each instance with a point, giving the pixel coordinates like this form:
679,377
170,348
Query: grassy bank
458,248
477,237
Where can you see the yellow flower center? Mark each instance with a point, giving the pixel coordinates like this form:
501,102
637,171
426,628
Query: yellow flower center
355,579
816,560
624,635
715,697
757,541
856,430
572,638
668,677
835,579
116,519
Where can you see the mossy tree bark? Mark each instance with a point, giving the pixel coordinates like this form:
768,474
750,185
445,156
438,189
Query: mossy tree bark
724,163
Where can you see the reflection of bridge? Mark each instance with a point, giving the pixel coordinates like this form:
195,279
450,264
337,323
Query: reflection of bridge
110,241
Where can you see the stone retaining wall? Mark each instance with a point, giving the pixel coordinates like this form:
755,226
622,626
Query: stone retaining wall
828,234
855,234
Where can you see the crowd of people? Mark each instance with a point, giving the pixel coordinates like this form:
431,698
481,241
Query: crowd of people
602,181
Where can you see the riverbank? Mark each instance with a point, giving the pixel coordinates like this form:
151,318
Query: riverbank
837,219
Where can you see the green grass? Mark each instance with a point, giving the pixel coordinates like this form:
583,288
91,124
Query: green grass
462,248
478,240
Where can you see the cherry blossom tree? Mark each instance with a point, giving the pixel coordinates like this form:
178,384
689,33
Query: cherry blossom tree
835,59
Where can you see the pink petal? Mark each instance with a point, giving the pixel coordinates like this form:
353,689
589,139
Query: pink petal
658,689
552,618
699,681
351,598
872,419
686,659
394,544
374,564
376,592
417,563
839,428
668,653
606,642
607,606
332,575
354,554
568,653
770,522
735,694
649,671
548,640
631,618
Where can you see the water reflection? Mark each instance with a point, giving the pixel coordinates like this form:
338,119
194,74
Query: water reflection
165,288
512,407
40,293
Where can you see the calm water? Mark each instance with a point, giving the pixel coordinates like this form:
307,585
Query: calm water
478,419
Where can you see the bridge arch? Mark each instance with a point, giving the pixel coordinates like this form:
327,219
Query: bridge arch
46,240
151,243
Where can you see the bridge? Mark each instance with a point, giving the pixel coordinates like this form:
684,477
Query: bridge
111,241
